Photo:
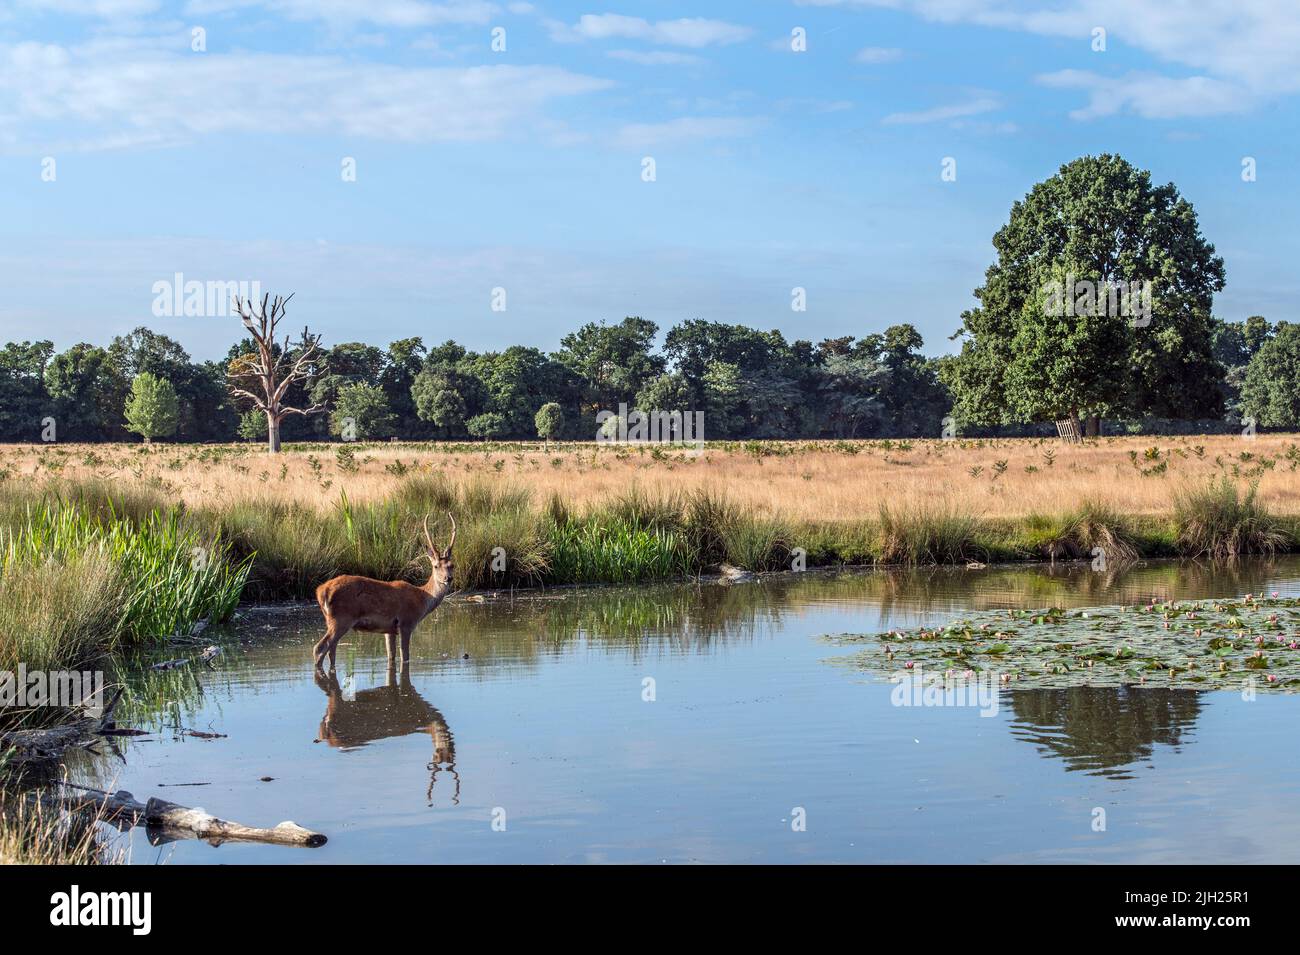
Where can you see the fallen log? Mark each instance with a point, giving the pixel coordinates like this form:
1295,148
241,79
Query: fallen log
123,809
43,748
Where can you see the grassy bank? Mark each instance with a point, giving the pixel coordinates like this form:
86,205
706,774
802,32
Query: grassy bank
85,573
117,567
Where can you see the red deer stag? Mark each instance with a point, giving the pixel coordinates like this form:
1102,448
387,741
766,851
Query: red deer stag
389,607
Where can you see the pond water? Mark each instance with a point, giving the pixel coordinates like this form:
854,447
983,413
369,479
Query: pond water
523,733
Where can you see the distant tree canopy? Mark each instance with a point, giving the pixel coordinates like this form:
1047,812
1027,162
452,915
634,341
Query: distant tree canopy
749,384
1030,355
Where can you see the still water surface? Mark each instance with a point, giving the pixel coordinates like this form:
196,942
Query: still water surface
545,728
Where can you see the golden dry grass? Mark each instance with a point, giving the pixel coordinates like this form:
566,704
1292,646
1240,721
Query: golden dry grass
810,480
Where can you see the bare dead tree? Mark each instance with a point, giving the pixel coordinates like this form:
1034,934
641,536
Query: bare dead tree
264,378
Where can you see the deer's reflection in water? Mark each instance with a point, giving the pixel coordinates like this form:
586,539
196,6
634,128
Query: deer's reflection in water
386,712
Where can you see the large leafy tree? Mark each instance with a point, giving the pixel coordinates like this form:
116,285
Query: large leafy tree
347,363
152,409
404,361
361,412
849,387
913,401
1098,220
613,362
23,399
445,395
1271,391
205,409
1235,345
87,394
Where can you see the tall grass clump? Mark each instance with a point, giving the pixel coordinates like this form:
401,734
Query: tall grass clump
933,534
33,834
292,547
59,613
295,547
710,521
635,508
71,585
1077,533
594,551
1219,522
757,543
525,549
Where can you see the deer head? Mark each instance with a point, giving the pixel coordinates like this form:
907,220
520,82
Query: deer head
440,578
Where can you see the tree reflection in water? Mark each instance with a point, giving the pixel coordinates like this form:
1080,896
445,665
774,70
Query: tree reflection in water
1103,730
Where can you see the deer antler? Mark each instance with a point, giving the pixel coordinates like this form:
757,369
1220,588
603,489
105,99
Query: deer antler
451,543
427,538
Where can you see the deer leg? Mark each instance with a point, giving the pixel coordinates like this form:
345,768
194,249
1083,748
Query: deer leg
322,646
336,634
406,645
390,639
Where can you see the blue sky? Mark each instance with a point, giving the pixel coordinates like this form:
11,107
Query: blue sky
522,168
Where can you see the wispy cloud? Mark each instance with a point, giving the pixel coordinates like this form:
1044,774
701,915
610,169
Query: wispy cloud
939,114
116,90
878,54
656,57
1149,95
107,9
1243,50
693,32
685,129
389,13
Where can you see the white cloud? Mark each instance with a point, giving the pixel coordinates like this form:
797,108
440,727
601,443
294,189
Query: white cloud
1242,50
390,13
691,32
107,9
878,54
684,129
141,94
656,57
938,114
1149,95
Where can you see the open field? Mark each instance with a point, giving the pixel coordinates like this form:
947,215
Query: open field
836,481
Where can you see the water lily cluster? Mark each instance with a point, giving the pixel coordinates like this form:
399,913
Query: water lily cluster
1239,643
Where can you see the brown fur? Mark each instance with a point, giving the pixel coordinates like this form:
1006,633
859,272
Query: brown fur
390,607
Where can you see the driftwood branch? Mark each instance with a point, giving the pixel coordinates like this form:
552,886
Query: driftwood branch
44,747
178,822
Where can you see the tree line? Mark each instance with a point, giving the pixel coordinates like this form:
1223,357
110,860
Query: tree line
1030,353
749,383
